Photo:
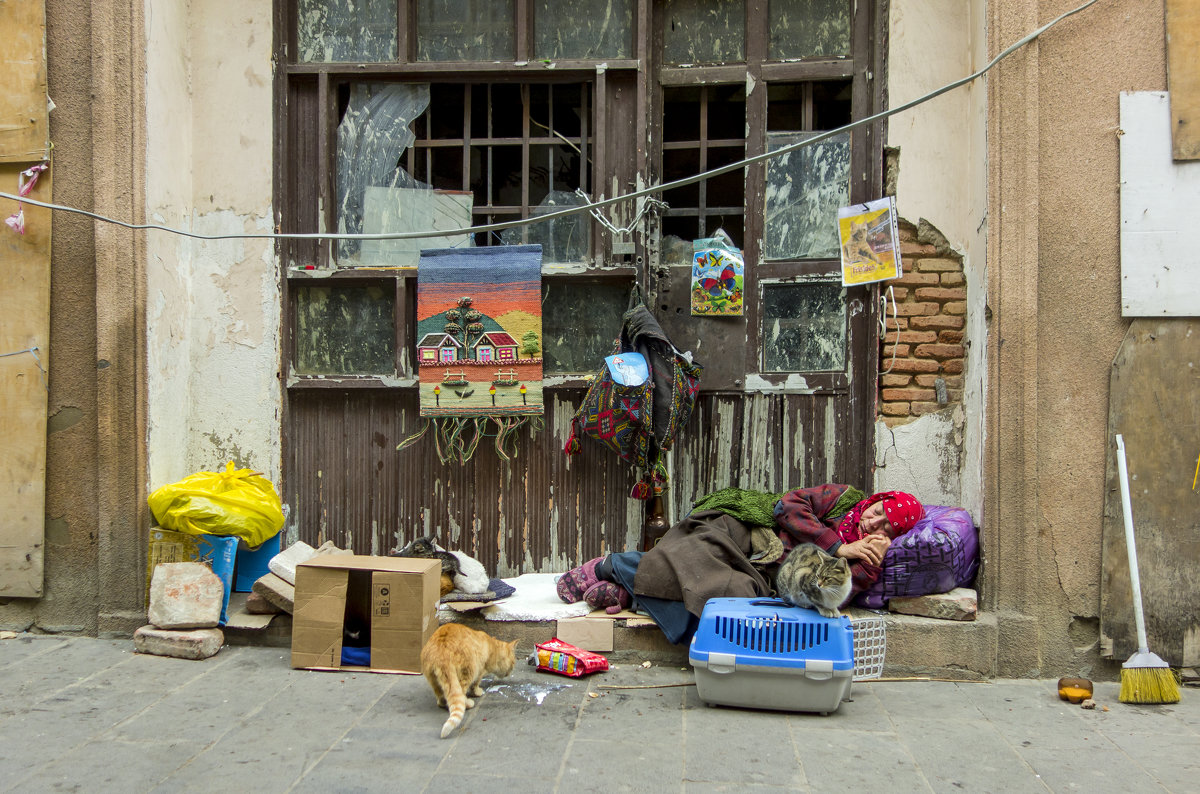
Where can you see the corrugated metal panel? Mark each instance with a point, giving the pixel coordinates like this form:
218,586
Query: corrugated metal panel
540,511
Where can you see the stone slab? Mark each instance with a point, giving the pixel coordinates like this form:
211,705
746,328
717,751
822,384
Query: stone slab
190,644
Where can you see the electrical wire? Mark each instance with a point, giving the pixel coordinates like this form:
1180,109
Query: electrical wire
883,297
591,206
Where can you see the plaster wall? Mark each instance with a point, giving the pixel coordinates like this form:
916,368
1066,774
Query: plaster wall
168,257
1054,290
213,315
941,188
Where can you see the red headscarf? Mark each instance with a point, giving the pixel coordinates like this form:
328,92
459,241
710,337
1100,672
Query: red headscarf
903,511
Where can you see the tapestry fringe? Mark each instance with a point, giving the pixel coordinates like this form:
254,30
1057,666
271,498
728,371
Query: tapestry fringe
457,437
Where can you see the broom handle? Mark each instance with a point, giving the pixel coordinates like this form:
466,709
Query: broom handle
1135,580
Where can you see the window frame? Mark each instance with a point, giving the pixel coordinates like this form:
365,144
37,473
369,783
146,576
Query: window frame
305,89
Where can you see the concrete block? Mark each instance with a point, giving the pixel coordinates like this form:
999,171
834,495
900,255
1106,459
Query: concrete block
961,603
192,644
185,595
284,563
277,591
256,604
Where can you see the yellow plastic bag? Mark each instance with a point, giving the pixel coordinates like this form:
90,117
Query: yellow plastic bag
237,502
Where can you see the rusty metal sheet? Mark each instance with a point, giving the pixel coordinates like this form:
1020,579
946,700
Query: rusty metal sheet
540,511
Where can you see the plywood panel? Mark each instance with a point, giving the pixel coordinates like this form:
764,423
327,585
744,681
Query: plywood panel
24,348
1183,76
24,118
1154,403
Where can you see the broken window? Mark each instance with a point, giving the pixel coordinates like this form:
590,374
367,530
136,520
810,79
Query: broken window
707,130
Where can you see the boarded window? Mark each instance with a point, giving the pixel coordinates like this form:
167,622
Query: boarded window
805,187
807,28
345,331
583,29
465,30
332,31
804,327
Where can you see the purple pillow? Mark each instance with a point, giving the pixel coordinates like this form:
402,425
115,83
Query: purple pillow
940,553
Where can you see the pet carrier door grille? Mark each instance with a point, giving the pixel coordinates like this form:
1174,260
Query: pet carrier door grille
771,635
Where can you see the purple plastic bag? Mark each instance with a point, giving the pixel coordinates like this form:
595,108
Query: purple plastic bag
940,553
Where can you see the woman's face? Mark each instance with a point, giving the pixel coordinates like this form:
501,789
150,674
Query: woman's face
874,521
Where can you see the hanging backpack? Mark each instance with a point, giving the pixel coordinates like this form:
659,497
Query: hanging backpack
639,399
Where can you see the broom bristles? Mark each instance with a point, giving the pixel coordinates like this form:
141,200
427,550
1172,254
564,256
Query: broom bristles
1148,685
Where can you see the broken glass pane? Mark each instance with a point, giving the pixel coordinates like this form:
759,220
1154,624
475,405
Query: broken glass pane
563,240
371,138
804,28
804,327
582,29
580,323
398,209
345,331
329,31
465,30
805,187
704,31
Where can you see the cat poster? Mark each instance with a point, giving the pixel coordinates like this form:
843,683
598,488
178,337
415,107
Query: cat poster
870,242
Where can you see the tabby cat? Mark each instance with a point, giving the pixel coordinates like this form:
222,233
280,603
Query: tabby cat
453,662
812,578
426,548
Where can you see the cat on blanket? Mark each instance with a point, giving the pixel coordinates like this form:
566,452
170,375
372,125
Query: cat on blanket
466,573
812,578
455,659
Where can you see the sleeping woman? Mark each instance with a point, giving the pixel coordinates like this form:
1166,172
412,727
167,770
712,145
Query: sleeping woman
732,542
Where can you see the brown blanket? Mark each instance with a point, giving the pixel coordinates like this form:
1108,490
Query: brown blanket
703,556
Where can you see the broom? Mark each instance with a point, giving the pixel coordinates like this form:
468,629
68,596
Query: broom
1145,678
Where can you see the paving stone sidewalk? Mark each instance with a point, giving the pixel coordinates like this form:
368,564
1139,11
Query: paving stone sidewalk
80,714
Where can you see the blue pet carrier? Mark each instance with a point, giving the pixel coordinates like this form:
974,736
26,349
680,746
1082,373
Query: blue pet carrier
763,653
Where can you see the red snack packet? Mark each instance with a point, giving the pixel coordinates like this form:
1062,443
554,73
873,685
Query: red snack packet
563,658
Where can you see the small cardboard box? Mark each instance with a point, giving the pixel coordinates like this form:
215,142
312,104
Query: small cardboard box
393,600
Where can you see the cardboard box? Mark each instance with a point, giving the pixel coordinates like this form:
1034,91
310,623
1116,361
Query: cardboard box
391,600
591,634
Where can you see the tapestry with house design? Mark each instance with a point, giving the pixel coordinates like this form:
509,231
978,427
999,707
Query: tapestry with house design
479,345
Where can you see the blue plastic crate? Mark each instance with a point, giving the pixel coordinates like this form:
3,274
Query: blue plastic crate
763,653
252,565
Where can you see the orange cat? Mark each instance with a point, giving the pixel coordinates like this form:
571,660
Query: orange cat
455,659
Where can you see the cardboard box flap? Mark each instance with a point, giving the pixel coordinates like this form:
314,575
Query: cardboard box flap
367,562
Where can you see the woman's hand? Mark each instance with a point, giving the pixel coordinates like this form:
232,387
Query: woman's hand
868,549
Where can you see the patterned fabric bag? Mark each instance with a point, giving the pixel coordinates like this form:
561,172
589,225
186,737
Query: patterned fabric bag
639,421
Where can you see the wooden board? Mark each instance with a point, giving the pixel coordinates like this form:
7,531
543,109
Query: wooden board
1183,76
1154,403
24,117
24,368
